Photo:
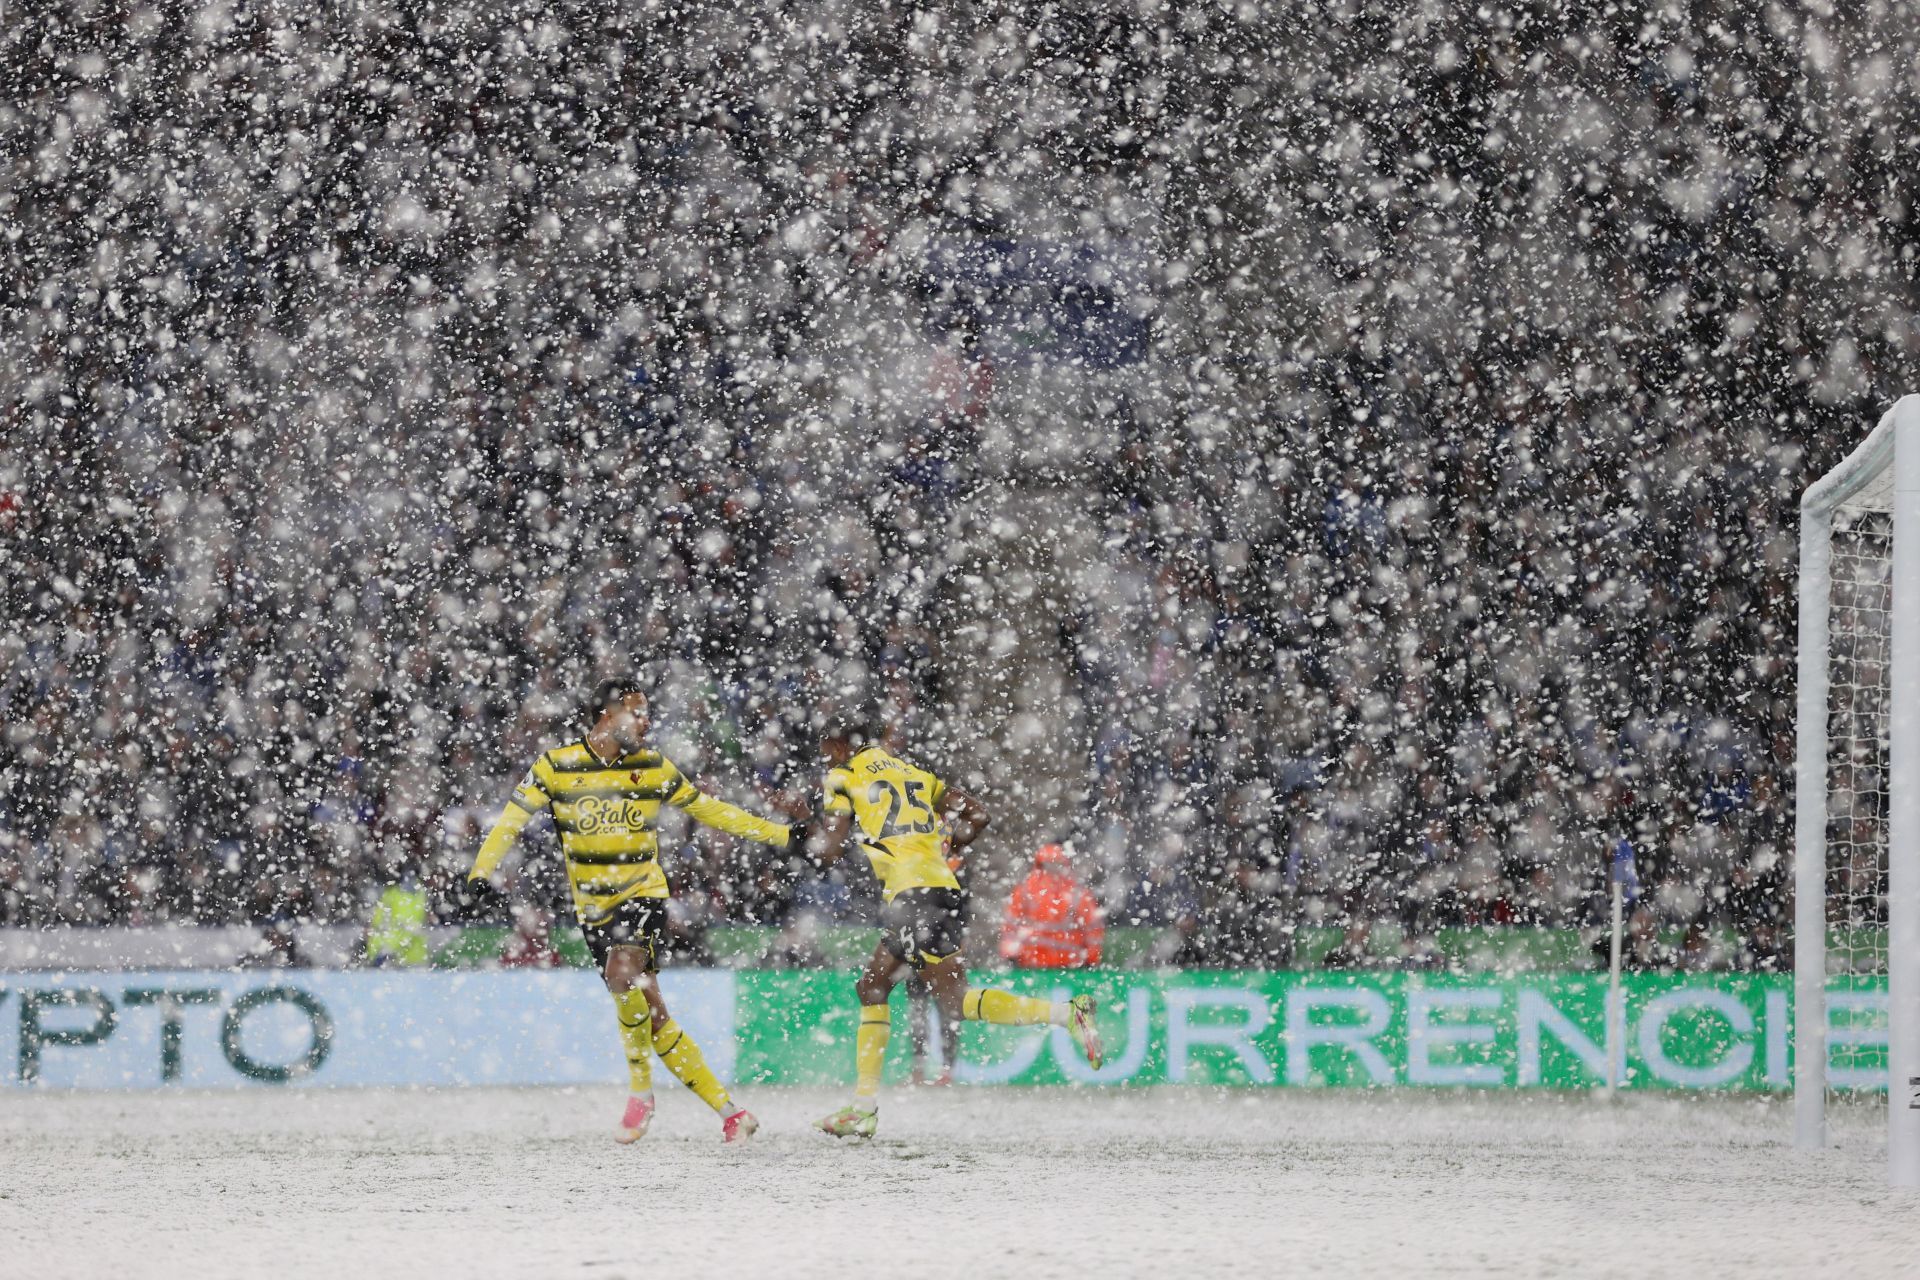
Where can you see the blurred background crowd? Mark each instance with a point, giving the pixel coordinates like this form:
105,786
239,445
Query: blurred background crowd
1332,469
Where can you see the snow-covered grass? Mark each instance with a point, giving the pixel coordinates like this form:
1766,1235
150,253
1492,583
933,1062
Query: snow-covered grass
1168,1183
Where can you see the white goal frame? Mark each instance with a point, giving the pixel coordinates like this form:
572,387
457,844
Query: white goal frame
1883,474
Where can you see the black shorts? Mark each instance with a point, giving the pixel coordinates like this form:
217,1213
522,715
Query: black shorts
637,922
924,926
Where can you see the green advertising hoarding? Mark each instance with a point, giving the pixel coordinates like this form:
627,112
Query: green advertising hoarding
1328,1029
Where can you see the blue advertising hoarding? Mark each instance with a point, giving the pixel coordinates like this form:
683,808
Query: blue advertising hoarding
197,1029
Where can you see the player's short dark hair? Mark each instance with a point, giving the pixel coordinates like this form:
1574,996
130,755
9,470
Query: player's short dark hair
848,726
609,691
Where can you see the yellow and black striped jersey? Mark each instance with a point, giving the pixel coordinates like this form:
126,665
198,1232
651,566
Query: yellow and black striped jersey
896,818
607,813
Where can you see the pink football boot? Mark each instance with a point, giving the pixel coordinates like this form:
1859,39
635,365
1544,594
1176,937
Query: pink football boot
739,1126
633,1125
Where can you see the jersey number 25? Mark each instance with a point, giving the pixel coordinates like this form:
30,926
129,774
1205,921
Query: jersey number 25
895,803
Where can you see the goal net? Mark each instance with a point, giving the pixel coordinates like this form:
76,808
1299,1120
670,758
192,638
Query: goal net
1857,913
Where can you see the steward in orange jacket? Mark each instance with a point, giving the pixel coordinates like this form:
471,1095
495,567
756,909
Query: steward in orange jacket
1052,921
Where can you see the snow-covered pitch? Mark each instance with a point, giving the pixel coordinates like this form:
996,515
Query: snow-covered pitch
1169,1183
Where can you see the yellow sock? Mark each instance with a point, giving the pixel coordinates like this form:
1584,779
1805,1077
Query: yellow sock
636,1035
990,1004
684,1059
870,1051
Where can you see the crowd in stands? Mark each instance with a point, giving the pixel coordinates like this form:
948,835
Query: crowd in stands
1440,389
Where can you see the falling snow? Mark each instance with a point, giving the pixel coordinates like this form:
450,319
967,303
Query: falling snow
1337,464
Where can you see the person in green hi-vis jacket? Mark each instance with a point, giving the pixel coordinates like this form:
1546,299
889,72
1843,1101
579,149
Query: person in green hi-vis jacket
397,934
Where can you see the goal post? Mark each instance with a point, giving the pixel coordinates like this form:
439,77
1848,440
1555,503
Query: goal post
1857,805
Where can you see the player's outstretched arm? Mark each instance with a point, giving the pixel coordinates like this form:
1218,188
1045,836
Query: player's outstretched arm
966,816
528,799
836,809
732,819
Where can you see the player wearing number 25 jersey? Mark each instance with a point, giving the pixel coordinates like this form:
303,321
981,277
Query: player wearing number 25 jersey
903,819
897,819
895,812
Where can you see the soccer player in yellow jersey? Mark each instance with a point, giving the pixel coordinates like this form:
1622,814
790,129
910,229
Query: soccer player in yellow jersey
605,791
903,819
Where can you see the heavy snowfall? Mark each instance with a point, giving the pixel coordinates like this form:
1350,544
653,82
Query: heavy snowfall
1334,463
1331,467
